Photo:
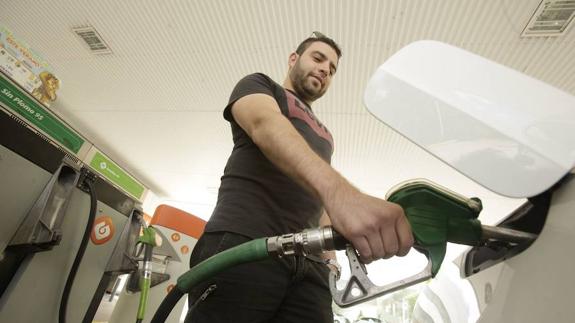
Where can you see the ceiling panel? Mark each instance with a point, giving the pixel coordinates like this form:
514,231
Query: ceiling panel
154,104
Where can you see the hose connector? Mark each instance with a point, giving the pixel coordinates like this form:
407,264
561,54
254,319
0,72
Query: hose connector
307,242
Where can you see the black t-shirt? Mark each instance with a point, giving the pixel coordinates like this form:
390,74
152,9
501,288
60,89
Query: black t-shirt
255,198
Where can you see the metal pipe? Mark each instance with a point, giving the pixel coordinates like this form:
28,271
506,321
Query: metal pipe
505,234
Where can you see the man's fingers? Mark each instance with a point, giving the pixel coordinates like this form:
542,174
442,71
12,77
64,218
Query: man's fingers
362,246
389,237
377,246
405,236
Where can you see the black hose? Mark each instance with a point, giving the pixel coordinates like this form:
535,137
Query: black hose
80,253
339,242
167,305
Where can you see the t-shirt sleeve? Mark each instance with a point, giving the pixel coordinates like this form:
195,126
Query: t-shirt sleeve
251,84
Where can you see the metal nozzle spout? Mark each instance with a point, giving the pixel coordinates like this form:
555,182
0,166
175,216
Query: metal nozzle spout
505,234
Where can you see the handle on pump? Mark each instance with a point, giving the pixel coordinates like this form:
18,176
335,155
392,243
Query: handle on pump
359,288
436,216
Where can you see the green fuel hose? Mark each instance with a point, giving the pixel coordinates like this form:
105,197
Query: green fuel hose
148,239
145,283
250,251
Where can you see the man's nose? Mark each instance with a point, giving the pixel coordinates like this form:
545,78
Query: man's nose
324,69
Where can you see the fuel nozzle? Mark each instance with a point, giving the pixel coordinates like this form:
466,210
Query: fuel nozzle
437,216
507,235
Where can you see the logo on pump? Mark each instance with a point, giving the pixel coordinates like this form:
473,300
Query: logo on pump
103,230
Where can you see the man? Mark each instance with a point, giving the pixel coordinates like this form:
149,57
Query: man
278,180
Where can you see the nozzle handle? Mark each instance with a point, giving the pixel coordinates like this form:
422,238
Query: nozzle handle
436,216
359,287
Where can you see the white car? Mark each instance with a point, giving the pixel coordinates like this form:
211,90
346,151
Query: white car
515,136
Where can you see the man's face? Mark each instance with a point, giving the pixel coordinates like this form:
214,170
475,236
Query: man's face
312,71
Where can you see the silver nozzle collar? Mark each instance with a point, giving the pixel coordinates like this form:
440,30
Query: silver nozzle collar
307,242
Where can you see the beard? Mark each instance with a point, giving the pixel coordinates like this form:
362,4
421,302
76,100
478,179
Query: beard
302,84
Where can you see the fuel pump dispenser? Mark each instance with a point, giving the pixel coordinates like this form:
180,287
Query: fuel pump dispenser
178,232
69,216
61,284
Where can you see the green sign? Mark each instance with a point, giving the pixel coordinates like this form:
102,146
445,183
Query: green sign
116,175
27,108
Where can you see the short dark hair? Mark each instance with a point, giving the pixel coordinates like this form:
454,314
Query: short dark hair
317,36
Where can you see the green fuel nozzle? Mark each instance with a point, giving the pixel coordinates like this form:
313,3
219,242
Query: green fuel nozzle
437,216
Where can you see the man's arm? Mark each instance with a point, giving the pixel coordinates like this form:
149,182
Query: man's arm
375,227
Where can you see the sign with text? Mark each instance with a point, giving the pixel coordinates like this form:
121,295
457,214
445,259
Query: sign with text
27,68
16,100
110,170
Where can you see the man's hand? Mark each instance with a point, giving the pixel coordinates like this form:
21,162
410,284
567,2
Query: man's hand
375,227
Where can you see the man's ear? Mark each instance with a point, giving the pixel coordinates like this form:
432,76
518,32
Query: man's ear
292,59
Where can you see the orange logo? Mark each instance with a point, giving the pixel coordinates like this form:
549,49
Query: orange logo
185,249
175,236
103,230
